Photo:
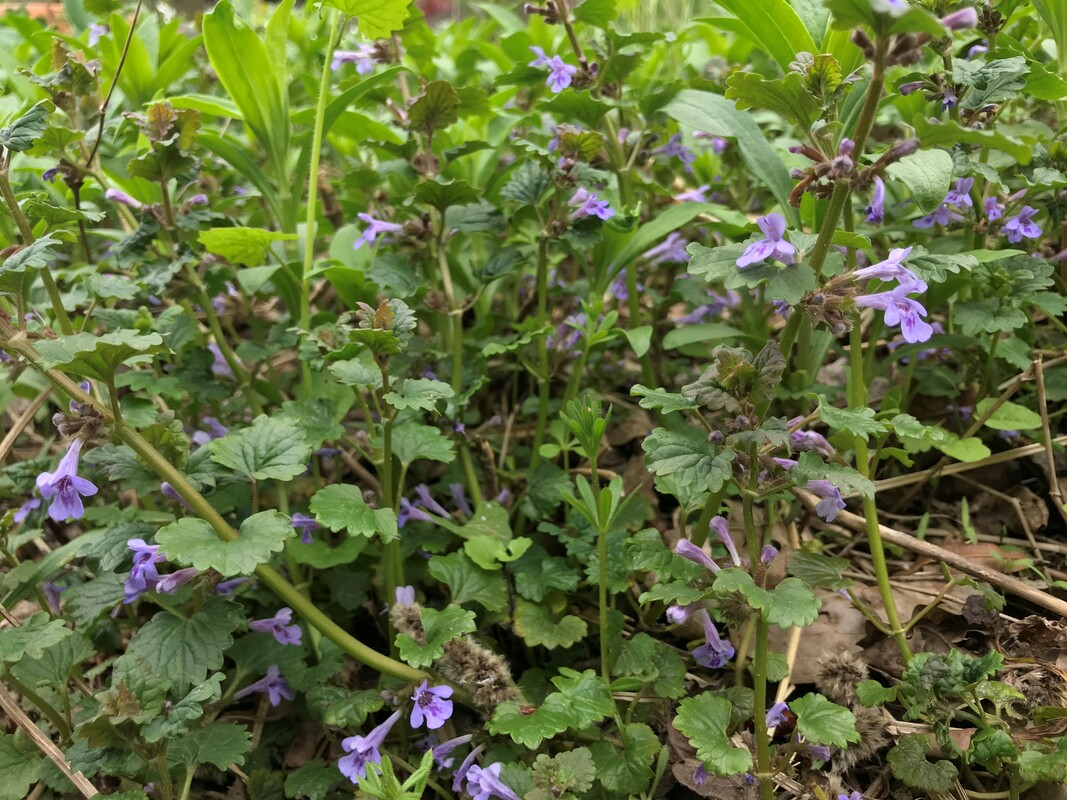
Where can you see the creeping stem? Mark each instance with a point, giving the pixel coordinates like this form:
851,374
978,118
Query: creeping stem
759,661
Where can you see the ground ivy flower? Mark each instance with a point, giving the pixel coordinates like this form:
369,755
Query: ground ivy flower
776,715
363,750
802,440
993,208
715,652
375,227
431,705
831,501
227,588
768,554
962,20
362,57
686,549
961,195
144,574
441,752
459,499
589,206
670,251
425,499
96,32
677,614
693,195
876,210
773,246
51,592
853,796
1022,224
893,269
722,530
900,310
24,510
405,595
483,784
409,511
942,215
700,775
169,584
560,73
893,8
675,149
464,767
214,430
117,196
819,752
65,488
274,685
304,524
718,144
279,627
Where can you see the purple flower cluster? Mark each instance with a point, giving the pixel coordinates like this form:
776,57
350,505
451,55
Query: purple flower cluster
278,626
65,488
589,206
771,246
560,73
362,57
899,309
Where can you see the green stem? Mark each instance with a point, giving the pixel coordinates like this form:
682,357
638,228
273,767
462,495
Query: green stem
393,560
46,708
760,659
703,524
543,386
313,190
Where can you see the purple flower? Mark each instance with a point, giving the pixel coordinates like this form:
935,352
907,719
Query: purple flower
1015,228
686,549
220,367
169,491
65,488
768,554
675,149
942,215
876,210
431,705
362,57
427,502
670,251
279,627
459,499
802,440
589,206
776,715
215,430
483,784
892,7
169,584
964,19
50,174
819,752
853,796
912,86
774,246
274,685
961,195
560,73
831,502
994,209
677,614
442,751
51,592
461,773
363,750
722,529
714,653
144,574
405,595
408,512
948,98
700,775
693,195
304,524
786,463
95,32
374,228
25,509
227,588
900,310
718,144
977,49
198,200
892,269
121,197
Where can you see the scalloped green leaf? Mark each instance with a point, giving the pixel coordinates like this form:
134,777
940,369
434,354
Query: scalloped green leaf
193,542
269,448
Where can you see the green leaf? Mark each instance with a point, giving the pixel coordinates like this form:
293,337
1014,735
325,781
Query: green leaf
420,393
312,780
220,744
526,185
341,707
654,663
467,582
98,357
342,507
490,552
927,174
193,542
823,722
910,767
1009,416
786,96
662,400
598,13
988,316
377,18
412,441
790,603
872,694
568,773
248,246
777,29
709,112
24,131
819,571
53,666
537,625
184,650
810,466
948,133
439,628
442,195
1051,766
31,638
189,709
36,256
582,699
688,458
857,421
437,107
992,81
627,770
968,450
704,720
268,448
20,766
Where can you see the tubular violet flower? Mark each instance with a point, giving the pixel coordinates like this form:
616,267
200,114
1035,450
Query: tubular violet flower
670,251
560,73
675,149
362,57
696,195
431,706
900,310
831,501
962,20
773,246
169,584
483,784
993,208
961,195
715,652
942,215
893,269
24,510
722,530
686,549
442,752
304,524
363,750
274,685
876,210
1022,225
776,715
589,206
144,575
375,227
117,196
65,488
279,627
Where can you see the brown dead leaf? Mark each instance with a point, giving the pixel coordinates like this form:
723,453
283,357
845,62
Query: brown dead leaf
839,629
985,554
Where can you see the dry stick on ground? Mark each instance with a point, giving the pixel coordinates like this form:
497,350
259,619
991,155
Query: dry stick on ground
11,708
24,419
1054,490
962,563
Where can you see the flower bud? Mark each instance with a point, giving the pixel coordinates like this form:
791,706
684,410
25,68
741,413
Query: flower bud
964,19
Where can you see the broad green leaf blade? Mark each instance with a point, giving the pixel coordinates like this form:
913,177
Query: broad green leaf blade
467,582
98,357
31,638
248,246
1008,416
342,507
909,764
582,700
714,114
192,542
220,744
823,722
927,175
704,720
537,625
776,29
376,18
268,448
439,628
24,131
